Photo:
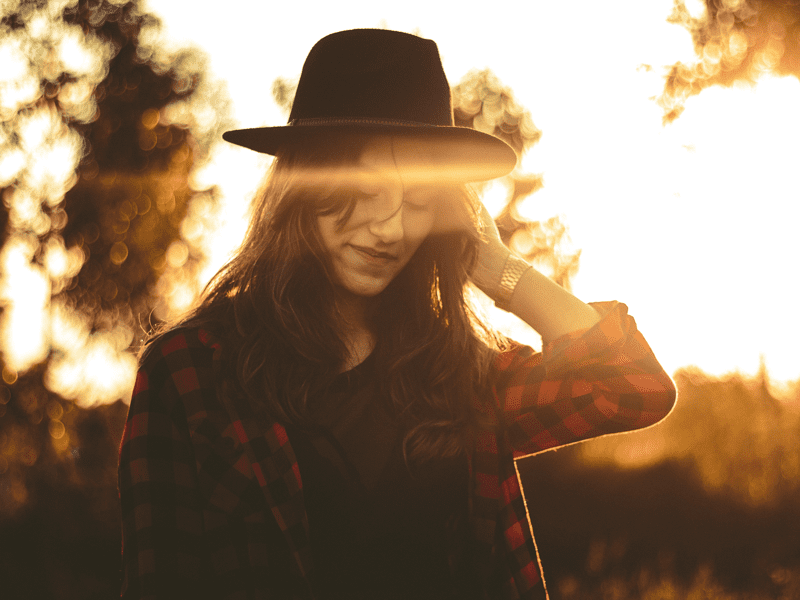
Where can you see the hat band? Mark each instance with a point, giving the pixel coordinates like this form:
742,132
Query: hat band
356,121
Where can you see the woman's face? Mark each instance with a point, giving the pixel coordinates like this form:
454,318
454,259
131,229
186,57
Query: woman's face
392,215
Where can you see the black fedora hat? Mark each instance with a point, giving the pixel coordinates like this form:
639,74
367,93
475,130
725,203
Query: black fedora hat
372,82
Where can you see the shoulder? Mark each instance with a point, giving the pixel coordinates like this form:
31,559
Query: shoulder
177,364
179,348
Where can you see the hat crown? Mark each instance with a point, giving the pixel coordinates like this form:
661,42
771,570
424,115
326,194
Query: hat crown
363,83
374,74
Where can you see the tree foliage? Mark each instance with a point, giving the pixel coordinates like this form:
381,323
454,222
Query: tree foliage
735,40
101,126
482,102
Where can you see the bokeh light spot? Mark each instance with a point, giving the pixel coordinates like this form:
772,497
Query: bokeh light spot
150,118
177,254
9,375
61,444
28,456
147,140
26,292
100,370
54,410
118,253
56,429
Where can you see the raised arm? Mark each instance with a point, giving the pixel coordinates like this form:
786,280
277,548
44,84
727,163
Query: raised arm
585,384
519,288
597,374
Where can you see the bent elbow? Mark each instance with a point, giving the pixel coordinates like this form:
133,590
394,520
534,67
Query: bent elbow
643,400
658,403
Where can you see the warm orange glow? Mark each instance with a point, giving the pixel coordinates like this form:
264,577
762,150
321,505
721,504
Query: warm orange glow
212,230
38,159
742,440
18,85
25,292
495,195
691,223
9,376
89,368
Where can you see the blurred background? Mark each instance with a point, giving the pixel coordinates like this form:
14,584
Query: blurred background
659,159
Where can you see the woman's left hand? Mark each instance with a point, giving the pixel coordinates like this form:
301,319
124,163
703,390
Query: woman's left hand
536,299
492,256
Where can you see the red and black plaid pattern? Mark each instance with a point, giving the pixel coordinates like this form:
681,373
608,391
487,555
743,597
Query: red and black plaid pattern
583,385
211,494
195,520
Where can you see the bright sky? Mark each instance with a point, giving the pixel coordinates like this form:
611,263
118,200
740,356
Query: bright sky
693,225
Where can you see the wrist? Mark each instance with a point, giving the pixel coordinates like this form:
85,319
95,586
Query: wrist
513,270
488,270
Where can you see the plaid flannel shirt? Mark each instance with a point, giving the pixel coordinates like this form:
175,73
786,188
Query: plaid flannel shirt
204,481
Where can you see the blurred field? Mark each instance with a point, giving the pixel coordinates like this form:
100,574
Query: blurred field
705,505
656,533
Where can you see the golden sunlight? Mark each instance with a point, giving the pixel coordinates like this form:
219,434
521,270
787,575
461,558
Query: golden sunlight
661,171
693,205
89,368
93,368
39,155
737,186
25,293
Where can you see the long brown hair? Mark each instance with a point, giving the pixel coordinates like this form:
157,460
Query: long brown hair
273,306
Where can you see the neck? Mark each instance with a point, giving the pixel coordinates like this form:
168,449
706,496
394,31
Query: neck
355,328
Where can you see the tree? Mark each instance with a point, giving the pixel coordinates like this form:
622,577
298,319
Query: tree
734,41
100,128
482,102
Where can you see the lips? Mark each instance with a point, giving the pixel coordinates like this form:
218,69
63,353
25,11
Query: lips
372,254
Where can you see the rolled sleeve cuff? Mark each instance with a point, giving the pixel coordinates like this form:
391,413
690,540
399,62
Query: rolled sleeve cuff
592,346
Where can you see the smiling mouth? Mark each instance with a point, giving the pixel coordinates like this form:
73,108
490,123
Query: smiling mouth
375,254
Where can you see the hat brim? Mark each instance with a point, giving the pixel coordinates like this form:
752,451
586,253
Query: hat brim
454,153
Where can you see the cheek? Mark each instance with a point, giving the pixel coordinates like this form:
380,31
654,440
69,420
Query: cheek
417,229
326,229
331,236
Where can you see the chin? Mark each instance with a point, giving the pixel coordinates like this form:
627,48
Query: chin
370,292
364,291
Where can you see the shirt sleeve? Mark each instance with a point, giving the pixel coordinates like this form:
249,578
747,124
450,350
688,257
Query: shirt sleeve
582,385
162,525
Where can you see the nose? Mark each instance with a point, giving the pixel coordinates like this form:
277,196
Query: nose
388,228
386,222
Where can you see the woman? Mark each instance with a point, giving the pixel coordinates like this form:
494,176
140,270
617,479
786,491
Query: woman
333,420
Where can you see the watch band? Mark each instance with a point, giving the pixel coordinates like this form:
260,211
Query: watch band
513,271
